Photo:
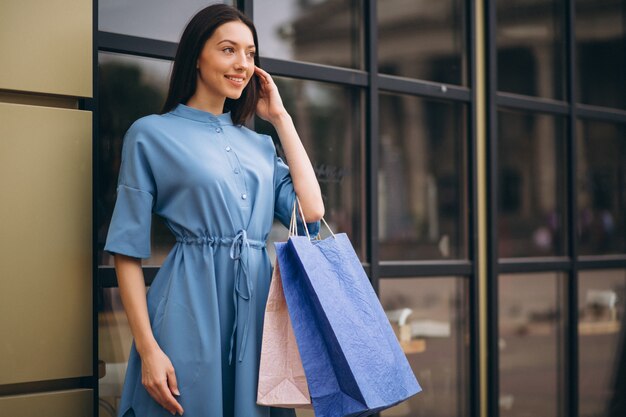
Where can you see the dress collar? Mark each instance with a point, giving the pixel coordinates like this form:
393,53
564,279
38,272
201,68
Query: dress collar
198,115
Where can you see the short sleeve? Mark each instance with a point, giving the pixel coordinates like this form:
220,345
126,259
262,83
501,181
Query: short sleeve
285,195
129,230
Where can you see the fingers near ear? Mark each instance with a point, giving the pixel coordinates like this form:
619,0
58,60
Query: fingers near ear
264,73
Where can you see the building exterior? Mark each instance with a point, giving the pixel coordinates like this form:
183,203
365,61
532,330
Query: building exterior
473,151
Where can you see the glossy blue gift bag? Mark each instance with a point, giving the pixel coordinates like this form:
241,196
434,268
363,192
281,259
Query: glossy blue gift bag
353,362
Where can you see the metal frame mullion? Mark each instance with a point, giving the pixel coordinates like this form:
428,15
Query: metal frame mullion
601,262
315,72
600,113
246,6
533,104
136,45
517,265
372,133
370,22
571,371
95,190
493,377
473,286
402,85
425,269
108,279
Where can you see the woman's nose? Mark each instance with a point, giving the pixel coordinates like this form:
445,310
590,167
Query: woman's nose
242,62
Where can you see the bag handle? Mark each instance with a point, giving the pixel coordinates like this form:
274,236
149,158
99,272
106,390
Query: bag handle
293,226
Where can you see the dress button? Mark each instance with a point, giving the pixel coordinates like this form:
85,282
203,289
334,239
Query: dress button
218,129
244,196
236,170
228,149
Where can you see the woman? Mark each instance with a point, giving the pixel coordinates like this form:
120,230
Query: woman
218,186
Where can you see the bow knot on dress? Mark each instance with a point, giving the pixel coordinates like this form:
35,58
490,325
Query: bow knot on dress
243,285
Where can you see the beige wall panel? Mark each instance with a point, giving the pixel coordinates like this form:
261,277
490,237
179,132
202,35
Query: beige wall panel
74,403
36,99
45,243
46,46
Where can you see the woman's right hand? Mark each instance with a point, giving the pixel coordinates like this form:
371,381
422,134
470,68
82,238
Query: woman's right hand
159,379
157,372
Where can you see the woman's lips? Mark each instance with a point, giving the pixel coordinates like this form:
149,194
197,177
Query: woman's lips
238,83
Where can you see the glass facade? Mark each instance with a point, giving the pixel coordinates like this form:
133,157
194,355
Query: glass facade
385,98
423,40
601,296
114,341
329,122
324,32
531,333
431,320
601,175
422,192
130,87
601,51
531,184
531,47
151,19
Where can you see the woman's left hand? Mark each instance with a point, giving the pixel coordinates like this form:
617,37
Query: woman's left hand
270,105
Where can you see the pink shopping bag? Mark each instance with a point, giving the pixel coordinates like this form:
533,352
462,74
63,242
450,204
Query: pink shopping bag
282,382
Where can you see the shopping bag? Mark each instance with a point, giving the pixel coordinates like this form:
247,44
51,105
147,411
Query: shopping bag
282,382
353,362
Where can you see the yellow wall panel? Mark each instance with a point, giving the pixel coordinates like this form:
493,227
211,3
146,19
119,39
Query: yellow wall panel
70,403
45,243
46,46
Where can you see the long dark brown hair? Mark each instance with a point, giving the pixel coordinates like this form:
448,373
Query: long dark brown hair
183,79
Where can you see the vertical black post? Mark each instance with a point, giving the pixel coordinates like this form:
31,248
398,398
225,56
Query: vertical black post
493,380
370,22
472,218
95,189
571,337
246,6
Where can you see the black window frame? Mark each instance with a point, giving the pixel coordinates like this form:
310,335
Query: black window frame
572,262
372,82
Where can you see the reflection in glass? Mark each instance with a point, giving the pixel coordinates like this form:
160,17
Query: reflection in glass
155,19
530,330
601,187
601,301
129,88
531,51
423,39
431,319
601,52
601,297
322,31
421,179
114,342
328,120
531,180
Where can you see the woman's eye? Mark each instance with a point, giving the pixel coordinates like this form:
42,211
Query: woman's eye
252,53
229,49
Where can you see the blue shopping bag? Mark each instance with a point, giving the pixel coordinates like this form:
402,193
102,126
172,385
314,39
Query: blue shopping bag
353,362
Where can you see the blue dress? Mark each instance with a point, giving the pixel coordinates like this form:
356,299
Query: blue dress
218,187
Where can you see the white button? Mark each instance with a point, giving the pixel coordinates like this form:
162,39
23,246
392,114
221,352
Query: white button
244,196
228,149
236,170
218,129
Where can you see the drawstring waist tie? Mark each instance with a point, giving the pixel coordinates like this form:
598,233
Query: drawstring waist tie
243,289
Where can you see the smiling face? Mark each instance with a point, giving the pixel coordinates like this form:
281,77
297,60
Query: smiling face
226,62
